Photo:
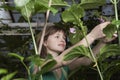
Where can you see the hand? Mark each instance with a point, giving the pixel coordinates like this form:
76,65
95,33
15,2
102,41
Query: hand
97,32
107,40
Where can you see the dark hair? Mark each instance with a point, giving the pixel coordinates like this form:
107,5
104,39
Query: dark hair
49,31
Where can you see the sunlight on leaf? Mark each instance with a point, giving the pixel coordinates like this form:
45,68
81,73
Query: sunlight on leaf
79,51
69,14
28,10
36,60
9,76
3,71
17,56
108,50
21,3
90,4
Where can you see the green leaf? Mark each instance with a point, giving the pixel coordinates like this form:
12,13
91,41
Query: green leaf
107,51
59,3
8,76
16,55
36,60
42,6
116,22
28,10
90,4
3,71
39,7
73,12
79,51
21,3
47,66
110,69
49,56
76,37
109,30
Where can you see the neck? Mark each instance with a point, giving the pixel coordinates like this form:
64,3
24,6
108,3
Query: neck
54,54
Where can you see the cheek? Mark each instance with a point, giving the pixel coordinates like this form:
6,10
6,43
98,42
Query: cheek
48,43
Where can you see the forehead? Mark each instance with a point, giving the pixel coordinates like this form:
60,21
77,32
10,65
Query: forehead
59,33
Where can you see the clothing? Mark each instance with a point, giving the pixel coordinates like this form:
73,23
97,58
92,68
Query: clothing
52,76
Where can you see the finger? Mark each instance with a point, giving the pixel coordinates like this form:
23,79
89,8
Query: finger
103,25
115,35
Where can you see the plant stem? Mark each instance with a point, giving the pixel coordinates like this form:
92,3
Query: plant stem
44,29
116,17
94,59
28,71
33,38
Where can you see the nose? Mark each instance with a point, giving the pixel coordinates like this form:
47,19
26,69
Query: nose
63,40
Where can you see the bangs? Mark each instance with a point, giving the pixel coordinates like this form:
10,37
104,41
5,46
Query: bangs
57,30
53,29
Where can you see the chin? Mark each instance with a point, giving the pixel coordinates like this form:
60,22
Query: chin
60,50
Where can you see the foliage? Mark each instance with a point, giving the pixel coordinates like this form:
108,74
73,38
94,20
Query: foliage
8,76
73,14
35,6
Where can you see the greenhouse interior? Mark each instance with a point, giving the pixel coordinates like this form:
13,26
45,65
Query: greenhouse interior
21,21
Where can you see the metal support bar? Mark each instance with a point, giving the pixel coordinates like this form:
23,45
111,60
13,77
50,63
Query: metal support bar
21,25
13,25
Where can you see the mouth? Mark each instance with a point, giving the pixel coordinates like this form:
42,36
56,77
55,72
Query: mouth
62,45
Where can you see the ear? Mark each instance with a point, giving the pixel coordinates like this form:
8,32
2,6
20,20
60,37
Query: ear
45,43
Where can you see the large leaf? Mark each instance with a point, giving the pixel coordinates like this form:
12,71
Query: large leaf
3,71
108,50
73,13
21,58
90,4
8,76
42,6
79,51
21,3
47,66
44,64
109,30
77,36
74,38
110,69
36,60
28,10
30,7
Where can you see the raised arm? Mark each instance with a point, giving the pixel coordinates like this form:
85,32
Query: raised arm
95,34
84,60
96,49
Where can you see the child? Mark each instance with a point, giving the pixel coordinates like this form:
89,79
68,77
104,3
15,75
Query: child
55,44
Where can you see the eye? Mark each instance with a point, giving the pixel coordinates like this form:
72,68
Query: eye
56,36
64,38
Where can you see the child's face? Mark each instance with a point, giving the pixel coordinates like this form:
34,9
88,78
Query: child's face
56,42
